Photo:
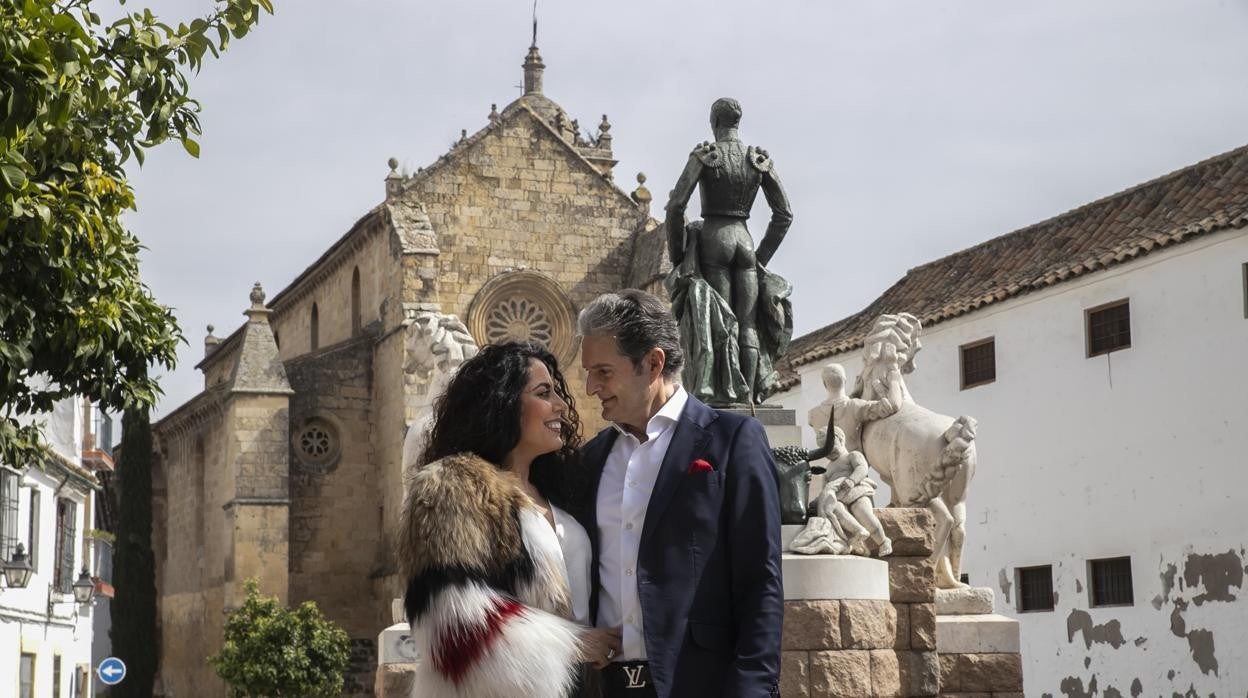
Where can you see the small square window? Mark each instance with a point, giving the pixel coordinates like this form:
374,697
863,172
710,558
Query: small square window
1109,328
979,363
1035,588
1111,582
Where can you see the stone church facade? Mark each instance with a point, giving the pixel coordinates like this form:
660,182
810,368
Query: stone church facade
287,467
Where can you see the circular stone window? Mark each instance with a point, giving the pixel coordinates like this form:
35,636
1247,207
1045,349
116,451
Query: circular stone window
523,306
519,320
316,444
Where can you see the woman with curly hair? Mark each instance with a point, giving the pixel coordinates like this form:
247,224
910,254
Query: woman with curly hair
497,569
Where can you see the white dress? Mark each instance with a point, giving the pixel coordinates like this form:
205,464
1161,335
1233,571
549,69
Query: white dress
577,556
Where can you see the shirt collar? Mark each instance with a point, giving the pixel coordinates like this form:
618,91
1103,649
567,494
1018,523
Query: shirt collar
667,415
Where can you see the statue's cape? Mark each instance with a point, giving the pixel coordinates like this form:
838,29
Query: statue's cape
708,329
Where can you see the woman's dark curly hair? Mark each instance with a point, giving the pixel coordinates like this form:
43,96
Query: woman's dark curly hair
480,413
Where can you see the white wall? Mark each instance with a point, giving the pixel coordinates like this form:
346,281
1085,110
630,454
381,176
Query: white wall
25,623
1141,452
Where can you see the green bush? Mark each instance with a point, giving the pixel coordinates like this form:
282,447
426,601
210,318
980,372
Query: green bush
272,651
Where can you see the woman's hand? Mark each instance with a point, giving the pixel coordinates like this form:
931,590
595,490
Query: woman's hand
601,645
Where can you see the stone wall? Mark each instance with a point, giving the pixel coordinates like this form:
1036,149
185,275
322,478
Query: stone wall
188,544
219,517
256,477
981,675
335,515
330,288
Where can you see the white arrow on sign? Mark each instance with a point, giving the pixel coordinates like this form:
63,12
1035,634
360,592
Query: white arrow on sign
112,671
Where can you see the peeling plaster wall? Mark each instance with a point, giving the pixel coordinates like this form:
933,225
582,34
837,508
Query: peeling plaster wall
1137,453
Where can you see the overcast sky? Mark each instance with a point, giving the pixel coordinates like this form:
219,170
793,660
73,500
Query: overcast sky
903,131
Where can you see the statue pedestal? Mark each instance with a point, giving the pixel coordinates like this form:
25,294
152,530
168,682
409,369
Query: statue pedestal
979,649
810,577
396,657
779,423
830,576
860,626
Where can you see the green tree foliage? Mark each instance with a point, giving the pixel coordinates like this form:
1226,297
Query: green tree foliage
78,99
134,567
273,651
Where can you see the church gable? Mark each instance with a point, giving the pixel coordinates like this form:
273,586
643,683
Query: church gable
518,196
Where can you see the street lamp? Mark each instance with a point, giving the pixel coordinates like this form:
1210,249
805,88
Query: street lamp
17,571
84,588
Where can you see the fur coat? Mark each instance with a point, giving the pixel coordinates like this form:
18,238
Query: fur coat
487,595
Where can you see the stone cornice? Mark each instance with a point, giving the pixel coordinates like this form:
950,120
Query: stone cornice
256,502
193,413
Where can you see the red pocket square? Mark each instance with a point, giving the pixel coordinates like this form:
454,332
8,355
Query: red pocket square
700,466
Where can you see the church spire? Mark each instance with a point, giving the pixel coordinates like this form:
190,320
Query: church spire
533,65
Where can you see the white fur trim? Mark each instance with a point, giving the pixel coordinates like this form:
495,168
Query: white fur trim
549,589
534,655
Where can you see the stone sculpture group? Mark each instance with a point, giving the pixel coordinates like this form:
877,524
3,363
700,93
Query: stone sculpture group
927,459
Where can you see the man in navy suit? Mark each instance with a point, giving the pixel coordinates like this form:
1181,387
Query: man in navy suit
683,515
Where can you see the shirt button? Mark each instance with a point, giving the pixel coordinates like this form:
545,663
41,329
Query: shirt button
630,619
632,483
629,526
629,572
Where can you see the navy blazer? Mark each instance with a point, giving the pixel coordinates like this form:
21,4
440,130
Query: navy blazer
708,570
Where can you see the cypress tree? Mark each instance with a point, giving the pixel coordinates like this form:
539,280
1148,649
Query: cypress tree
134,566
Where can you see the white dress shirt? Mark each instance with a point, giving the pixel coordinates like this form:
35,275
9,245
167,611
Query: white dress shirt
628,478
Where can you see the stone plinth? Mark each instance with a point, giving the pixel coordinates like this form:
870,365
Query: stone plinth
396,657
979,650
964,602
834,577
395,646
985,633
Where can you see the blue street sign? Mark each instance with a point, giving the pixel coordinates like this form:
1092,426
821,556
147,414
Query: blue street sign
111,671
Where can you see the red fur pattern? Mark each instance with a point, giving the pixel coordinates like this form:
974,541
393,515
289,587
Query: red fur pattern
461,645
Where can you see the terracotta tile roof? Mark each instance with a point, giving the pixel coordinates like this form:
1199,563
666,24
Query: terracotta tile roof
1203,198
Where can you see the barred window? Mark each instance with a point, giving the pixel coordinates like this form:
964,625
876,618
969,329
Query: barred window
66,534
979,362
1109,328
1111,582
56,675
9,482
26,676
32,530
1035,588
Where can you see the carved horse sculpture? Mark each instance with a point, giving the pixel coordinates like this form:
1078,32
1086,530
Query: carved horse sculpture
435,346
928,459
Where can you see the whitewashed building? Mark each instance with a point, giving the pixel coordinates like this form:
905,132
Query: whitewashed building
1103,352
45,634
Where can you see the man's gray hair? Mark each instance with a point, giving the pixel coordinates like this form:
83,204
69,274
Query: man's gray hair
639,322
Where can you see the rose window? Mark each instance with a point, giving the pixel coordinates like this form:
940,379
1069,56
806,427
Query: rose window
316,444
524,306
518,320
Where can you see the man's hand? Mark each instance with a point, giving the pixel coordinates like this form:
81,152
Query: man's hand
600,645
